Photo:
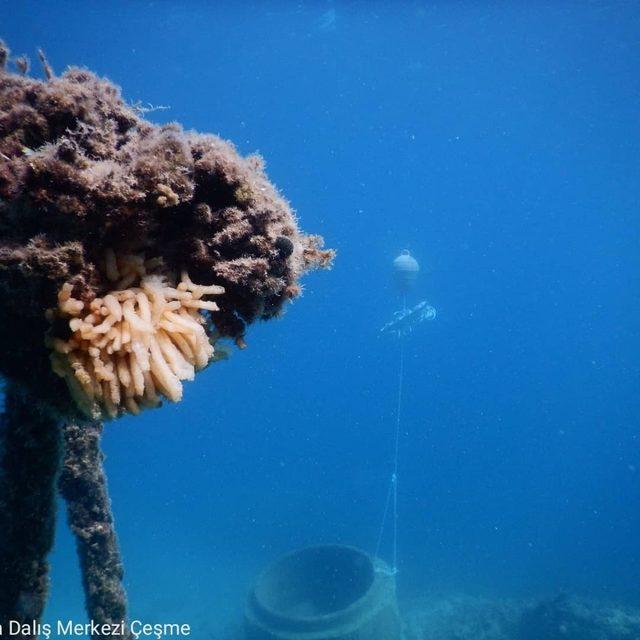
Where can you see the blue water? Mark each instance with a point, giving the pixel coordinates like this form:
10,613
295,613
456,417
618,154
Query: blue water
500,143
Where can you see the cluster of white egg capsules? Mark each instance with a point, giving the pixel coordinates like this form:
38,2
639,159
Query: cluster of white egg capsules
136,344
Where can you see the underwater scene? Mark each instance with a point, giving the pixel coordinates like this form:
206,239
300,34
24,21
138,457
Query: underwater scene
320,320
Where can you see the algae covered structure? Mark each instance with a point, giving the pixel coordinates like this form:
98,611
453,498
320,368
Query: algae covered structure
128,250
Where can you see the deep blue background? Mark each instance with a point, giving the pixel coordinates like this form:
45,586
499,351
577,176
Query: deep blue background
500,142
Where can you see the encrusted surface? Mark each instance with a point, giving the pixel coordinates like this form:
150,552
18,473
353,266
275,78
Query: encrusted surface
81,171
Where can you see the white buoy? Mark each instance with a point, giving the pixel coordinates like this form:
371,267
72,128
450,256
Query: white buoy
405,270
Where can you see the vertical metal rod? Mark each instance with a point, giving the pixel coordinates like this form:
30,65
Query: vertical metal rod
83,485
30,451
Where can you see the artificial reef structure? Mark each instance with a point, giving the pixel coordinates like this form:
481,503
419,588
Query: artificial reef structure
128,251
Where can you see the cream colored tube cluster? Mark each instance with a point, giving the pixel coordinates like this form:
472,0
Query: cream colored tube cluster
137,343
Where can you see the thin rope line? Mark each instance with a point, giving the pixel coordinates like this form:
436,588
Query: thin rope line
398,410
396,456
392,492
384,519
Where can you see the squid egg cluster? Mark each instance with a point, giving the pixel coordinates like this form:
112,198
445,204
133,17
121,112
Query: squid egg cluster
135,345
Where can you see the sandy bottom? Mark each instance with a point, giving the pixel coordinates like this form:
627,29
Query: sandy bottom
562,617
210,597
